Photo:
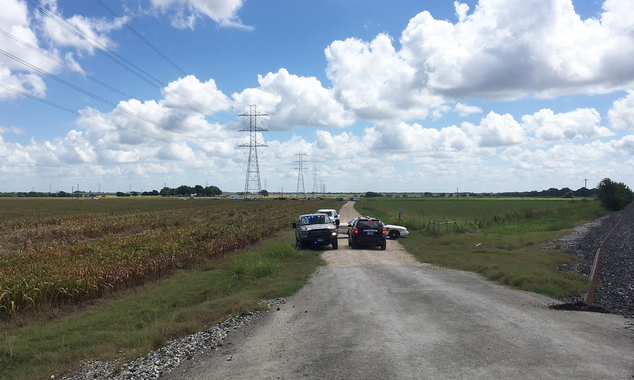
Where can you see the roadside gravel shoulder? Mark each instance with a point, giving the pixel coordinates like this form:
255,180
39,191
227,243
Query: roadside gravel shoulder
615,291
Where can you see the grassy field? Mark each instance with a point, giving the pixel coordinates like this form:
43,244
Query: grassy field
85,279
505,240
130,324
63,251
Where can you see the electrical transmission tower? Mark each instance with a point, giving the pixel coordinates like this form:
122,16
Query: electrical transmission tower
315,184
252,183
300,175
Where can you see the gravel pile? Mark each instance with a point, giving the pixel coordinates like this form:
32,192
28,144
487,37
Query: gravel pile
615,292
165,359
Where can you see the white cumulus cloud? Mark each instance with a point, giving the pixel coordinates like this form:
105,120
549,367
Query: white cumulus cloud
513,48
622,113
292,101
375,82
496,130
577,124
465,109
184,13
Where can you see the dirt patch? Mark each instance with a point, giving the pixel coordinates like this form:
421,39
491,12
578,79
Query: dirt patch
345,256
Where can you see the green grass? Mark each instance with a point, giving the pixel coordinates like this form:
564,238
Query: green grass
157,312
56,251
504,240
482,213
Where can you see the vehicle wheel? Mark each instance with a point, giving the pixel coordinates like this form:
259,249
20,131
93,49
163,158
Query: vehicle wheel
335,244
394,234
349,241
384,245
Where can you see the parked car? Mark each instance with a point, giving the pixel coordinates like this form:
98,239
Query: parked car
395,232
332,213
313,230
367,231
392,230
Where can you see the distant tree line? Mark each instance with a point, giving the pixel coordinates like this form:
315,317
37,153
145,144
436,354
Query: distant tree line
550,193
184,190
181,191
37,194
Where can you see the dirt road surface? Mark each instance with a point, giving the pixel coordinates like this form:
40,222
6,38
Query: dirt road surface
373,314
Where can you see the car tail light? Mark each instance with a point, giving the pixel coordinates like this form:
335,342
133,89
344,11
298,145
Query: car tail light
356,231
383,231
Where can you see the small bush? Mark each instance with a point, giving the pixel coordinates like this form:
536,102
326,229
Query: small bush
614,196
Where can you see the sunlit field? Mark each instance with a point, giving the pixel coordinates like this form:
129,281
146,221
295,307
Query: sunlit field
510,241
61,251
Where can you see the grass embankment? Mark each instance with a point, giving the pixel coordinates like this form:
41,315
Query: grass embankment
157,312
505,240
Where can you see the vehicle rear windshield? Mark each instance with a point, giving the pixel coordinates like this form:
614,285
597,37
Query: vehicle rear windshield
372,224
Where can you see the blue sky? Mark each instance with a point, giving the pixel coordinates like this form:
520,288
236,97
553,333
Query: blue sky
404,96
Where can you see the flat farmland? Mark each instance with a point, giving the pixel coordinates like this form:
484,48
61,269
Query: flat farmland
62,251
507,240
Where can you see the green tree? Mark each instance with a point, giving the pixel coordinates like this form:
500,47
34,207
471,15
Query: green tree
264,193
212,191
614,196
165,192
184,190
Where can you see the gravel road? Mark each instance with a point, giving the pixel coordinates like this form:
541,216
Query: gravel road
373,314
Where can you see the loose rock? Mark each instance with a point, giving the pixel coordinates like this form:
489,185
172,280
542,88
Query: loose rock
615,290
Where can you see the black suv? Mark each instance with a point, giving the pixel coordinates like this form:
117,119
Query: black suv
367,231
313,230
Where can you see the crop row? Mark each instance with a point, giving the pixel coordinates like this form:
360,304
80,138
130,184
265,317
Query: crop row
82,258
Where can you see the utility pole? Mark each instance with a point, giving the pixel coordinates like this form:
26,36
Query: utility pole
300,174
252,183
585,183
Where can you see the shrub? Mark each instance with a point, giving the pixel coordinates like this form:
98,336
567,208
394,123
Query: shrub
614,196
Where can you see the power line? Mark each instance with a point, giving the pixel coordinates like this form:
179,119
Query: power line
123,62
142,38
54,58
88,93
166,58
100,120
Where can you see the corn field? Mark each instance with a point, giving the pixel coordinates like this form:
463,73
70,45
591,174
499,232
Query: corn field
63,251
